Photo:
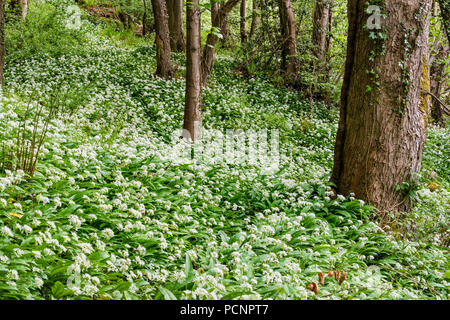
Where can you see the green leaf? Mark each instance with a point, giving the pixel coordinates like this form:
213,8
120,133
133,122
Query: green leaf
98,256
189,270
447,274
58,289
168,295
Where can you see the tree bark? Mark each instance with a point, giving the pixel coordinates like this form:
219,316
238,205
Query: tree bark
254,23
445,12
382,131
436,78
2,40
164,67
24,6
243,27
144,19
218,18
321,18
175,9
192,111
227,40
289,63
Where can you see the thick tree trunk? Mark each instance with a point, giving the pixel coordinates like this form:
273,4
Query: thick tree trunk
218,17
243,25
227,40
175,9
436,78
289,63
383,118
254,23
192,111
164,67
321,19
2,40
445,12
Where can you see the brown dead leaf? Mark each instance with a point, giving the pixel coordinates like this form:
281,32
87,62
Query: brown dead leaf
321,278
313,287
342,277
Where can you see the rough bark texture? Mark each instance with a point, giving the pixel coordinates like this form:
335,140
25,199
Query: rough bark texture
321,19
436,78
2,40
175,9
164,67
382,131
192,112
227,40
218,18
445,12
289,62
243,27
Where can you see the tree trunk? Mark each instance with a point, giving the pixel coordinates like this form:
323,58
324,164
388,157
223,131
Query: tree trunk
164,67
254,23
445,12
24,6
2,40
321,18
436,78
192,112
383,116
289,62
218,17
144,19
226,41
243,28
175,9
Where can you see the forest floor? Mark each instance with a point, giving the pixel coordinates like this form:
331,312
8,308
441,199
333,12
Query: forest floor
110,214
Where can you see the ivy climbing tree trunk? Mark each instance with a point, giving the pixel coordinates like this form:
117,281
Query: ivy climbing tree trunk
2,40
321,22
175,9
289,63
192,111
383,112
218,18
164,66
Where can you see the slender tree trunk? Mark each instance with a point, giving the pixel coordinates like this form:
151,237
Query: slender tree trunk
436,78
2,40
218,17
192,111
254,23
289,63
175,9
24,6
321,18
144,19
445,12
243,27
383,117
164,67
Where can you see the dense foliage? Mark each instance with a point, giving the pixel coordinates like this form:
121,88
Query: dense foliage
107,215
